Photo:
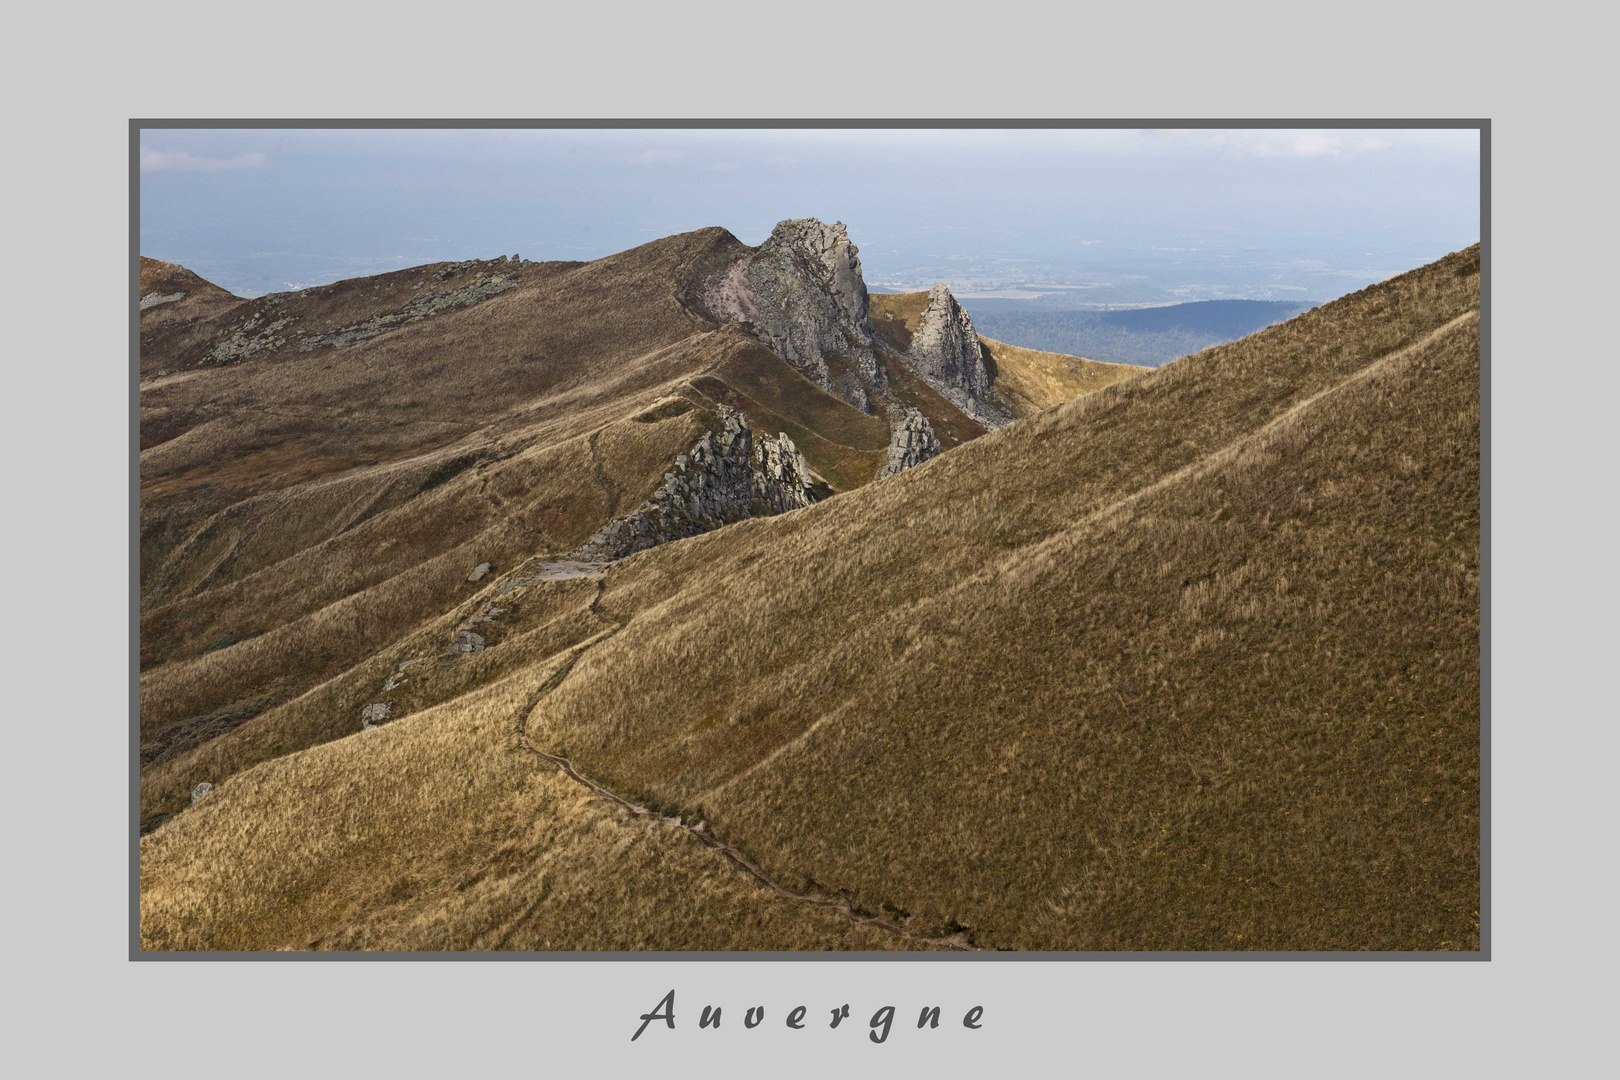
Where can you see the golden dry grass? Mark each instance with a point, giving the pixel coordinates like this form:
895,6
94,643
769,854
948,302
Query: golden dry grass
1191,662
379,845
895,315
1029,381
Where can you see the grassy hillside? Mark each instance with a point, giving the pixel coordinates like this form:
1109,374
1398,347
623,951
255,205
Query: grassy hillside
321,470
1028,381
1191,662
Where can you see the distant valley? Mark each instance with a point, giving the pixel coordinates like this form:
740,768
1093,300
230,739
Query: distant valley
1148,336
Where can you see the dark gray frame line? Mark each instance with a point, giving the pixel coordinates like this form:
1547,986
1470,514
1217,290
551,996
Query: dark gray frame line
1483,126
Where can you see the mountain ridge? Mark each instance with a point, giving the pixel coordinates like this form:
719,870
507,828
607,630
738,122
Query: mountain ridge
1165,666
319,478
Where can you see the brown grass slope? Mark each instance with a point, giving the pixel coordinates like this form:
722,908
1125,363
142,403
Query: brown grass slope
400,851
1028,381
305,508
1189,663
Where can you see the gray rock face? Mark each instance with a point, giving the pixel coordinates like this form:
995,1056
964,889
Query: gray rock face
374,714
911,442
479,571
728,476
945,351
152,300
199,791
803,296
468,642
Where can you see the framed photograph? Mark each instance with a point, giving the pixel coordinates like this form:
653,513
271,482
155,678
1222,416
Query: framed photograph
1004,540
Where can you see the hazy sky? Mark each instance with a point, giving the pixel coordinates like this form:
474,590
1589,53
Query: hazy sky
1135,216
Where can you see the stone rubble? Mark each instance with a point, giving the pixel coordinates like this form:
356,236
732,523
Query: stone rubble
374,714
423,307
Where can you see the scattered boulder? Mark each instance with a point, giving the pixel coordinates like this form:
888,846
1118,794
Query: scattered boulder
468,642
374,714
911,442
480,571
200,791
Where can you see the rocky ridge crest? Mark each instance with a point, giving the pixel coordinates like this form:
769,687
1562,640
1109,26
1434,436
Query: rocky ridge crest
729,475
802,295
946,352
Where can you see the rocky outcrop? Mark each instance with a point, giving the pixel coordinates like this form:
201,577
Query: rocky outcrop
728,476
911,442
199,792
945,351
479,572
251,336
423,307
801,293
374,714
152,300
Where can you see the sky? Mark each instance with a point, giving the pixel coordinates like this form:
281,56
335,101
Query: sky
1079,217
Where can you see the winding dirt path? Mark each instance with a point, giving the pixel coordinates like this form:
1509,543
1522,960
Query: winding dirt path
958,942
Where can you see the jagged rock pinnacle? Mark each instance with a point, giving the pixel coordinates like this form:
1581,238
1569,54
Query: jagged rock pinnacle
945,350
802,295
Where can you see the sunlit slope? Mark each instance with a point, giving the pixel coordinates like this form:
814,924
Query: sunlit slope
1029,381
1191,662
433,833
1191,658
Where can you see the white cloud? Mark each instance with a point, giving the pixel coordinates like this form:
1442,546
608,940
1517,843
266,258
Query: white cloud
182,161
661,157
1331,144
1310,144
725,166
